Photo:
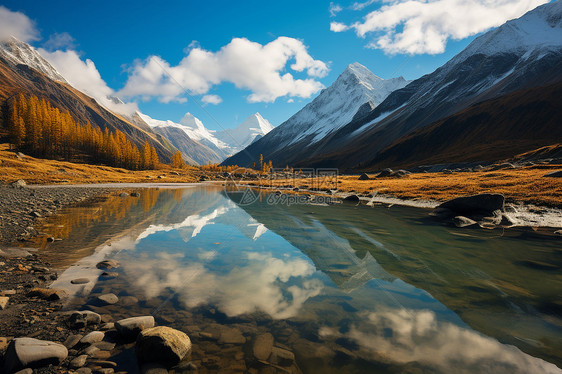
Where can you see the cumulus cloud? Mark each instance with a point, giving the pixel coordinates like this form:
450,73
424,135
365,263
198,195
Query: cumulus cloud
248,65
211,99
424,26
84,76
60,41
16,24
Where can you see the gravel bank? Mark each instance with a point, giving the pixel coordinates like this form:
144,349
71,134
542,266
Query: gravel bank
23,206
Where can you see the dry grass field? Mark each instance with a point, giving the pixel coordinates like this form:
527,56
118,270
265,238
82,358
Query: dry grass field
42,171
526,185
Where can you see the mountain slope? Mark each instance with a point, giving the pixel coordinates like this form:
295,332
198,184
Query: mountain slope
492,130
499,62
17,77
197,144
355,90
252,129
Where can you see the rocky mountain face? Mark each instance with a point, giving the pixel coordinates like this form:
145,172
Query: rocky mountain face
23,70
521,54
355,90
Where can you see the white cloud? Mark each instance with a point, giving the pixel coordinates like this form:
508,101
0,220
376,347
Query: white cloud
361,6
248,65
16,24
211,99
84,76
334,9
60,41
424,26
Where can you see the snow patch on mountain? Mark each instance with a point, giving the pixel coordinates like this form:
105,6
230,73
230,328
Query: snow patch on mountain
17,52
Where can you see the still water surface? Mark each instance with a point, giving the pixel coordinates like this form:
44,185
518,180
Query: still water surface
345,288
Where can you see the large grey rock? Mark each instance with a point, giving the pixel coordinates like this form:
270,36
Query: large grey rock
263,345
385,173
485,204
129,328
364,177
32,353
162,345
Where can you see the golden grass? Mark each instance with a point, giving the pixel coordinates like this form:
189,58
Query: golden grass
42,171
523,184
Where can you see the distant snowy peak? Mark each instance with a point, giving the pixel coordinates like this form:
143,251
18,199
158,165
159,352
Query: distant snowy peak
541,28
189,120
17,52
253,128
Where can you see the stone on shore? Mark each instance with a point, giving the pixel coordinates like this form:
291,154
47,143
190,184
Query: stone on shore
129,328
78,362
72,340
162,345
32,353
93,337
51,294
461,221
4,302
263,345
80,281
485,204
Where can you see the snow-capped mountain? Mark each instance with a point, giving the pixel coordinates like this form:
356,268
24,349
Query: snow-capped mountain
519,55
355,92
17,52
252,129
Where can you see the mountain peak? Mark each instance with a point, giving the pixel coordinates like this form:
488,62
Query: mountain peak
17,52
360,72
189,120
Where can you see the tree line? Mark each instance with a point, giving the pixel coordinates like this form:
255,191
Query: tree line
39,129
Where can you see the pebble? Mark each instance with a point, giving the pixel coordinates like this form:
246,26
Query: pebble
84,318
72,340
107,299
131,327
78,362
93,337
80,281
3,302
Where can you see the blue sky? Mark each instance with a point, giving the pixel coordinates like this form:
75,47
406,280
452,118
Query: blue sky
116,34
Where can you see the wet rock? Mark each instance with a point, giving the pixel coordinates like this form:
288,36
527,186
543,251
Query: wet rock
162,345
93,337
107,299
84,371
135,194
100,355
33,353
4,302
80,281
262,347
20,183
364,177
153,368
128,300
351,198
78,362
130,327
51,294
281,357
72,340
109,275
231,336
107,264
107,326
469,206
104,371
123,194
461,221
91,350
84,318
104,346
